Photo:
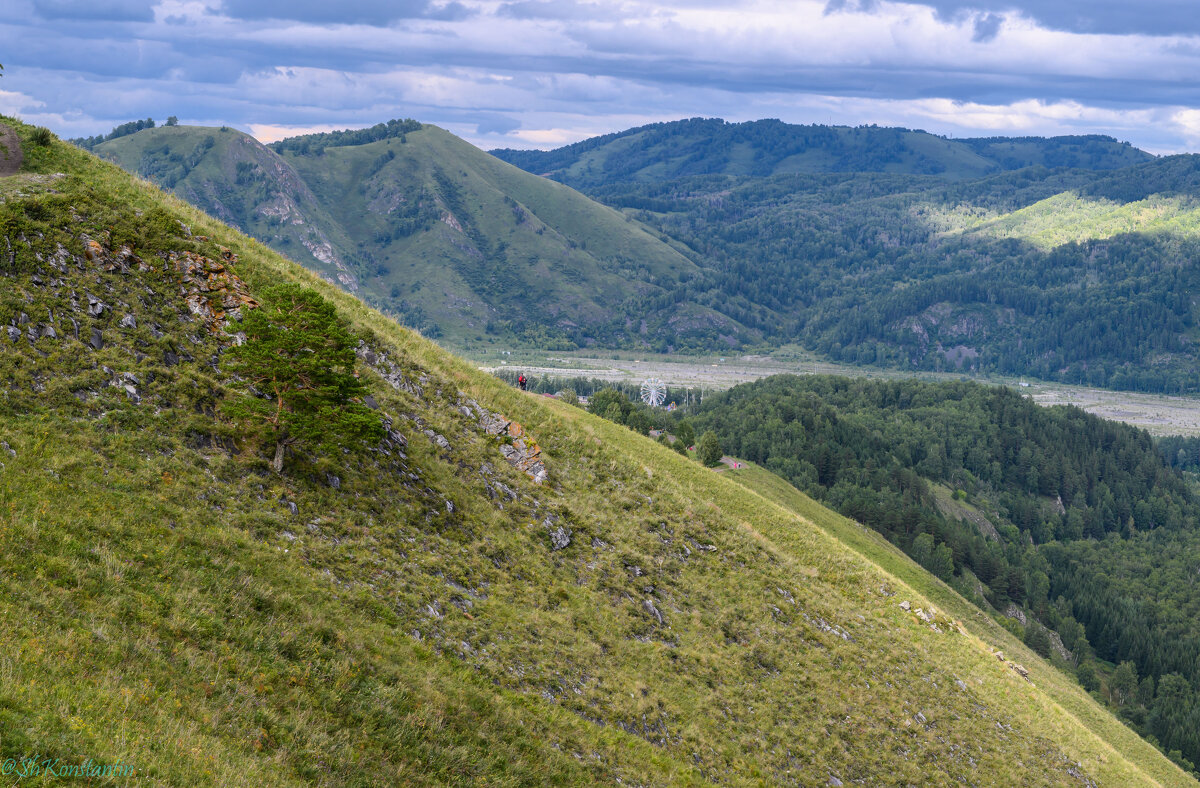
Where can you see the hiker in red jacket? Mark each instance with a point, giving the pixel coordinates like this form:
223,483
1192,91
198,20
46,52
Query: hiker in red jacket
521,381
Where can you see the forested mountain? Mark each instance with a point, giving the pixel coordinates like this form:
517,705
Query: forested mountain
484,587
1064,275
1046,262
761,148
1077,521
444,237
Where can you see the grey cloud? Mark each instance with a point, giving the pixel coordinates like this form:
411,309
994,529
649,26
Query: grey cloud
987,27
850,6
1116,17
97,10
363,12
451,12
551,9
497,124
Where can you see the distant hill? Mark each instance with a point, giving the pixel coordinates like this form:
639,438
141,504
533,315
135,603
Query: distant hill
505,590
710,146
434,231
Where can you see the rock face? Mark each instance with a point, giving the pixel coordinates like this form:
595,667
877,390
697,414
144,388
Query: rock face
212,292
523,453
1012,611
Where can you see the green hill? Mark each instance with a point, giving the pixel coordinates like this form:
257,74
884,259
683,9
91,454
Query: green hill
437,233
440,608
761,148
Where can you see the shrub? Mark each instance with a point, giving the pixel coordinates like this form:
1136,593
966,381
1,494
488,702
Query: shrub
708,451
42,136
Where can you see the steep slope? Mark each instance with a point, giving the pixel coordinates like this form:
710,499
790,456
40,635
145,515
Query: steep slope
430,229
235,178
761,148
441,608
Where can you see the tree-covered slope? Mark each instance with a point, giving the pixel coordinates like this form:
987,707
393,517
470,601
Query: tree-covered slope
711,146
446,238
449,606
1066,275
1076,521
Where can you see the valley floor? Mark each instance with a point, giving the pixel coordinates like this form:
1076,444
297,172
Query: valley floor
699,375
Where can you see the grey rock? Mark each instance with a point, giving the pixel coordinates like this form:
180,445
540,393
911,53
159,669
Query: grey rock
97,341
905,605
370,402
648,606
333,481
129,321
450,507
919,717
833,781
22,319
156,332
48,332
170,358
14,333
95,306
132,392
560,537
11,451
959,683
439,440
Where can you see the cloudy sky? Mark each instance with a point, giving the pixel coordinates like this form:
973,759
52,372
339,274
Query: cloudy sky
542,73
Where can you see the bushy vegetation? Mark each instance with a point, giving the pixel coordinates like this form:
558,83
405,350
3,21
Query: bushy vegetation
297,366
125,129
315,144
1077,520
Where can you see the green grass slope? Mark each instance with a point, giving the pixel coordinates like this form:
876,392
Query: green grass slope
445,237
410,620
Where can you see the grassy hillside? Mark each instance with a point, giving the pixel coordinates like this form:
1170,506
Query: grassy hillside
435,232
762,148
1050,516
411,613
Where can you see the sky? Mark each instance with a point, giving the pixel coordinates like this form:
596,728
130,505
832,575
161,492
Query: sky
544,73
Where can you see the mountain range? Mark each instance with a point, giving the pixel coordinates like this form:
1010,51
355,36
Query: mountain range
1065,258
506,589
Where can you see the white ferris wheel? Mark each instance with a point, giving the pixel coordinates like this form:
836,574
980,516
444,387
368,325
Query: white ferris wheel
654,392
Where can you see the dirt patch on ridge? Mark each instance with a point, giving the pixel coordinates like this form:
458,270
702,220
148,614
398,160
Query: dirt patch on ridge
10,151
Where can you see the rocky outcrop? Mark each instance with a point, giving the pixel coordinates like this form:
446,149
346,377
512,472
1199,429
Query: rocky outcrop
518,448
522,453
212,292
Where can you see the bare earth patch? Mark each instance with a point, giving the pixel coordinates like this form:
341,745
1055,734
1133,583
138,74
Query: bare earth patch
10,152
